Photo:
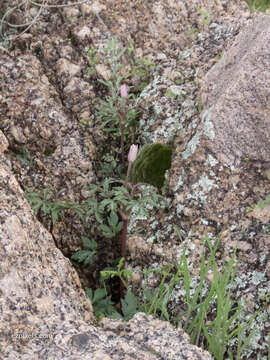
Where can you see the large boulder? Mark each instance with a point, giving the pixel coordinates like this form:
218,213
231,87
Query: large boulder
237,105
41,293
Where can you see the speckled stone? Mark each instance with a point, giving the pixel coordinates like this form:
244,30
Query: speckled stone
238,103
33,118
40,291
44,313
3,143
46,92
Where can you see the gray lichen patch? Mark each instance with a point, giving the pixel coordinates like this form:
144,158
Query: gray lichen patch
208,127
201,188
211,161
180,181
170,106
160,124
192,145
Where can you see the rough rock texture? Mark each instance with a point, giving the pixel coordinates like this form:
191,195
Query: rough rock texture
238,104
46,97
44,312
207,195
36,112
47,101
41,293
144,337
44,134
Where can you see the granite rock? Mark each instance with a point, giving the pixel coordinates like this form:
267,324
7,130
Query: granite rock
46,93
237,105
44,313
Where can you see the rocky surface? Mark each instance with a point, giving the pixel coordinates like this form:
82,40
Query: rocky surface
238,105
42,133
47,111
208,195
48,94
44,311
40,291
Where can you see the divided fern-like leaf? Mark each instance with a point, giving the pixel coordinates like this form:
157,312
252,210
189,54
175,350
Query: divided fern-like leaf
89,243
130,305
83,256
102,304
87,255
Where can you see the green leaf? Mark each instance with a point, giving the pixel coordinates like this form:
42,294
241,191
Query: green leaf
130,47
93,188
119,227
102,304
89,293
115,315
99,295
148,294
104,203
84,256
113,219
106,231
98,216
106,83
262,203
171,94
55,215
129,305
35,205
89,243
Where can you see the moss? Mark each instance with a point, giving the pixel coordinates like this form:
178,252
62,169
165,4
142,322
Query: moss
151,165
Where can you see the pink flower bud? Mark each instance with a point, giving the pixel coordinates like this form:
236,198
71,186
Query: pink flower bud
124,91
132,153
